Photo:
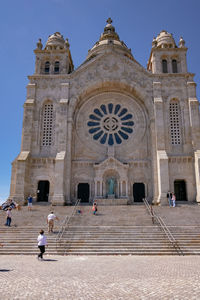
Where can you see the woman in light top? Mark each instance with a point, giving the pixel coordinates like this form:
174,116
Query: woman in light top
42,242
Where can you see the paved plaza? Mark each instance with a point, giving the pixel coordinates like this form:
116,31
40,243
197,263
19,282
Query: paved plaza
99,277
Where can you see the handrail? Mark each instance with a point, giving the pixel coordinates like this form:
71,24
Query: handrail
66,222
163,226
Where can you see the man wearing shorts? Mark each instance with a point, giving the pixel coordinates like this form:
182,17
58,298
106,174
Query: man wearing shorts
50,221
30,202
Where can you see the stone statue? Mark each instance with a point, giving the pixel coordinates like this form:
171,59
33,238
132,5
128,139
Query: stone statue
111,184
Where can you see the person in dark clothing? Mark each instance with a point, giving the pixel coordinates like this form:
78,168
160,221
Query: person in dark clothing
169,197
8,217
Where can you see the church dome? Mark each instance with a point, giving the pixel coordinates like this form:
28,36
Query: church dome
165,40
109,39
55,41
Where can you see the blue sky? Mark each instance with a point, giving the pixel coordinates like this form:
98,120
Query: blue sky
22,22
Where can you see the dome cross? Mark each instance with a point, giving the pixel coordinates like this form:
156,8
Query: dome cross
109,21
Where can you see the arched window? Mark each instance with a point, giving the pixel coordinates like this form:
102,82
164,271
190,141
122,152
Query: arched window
56,67
47,67
175,128
47,126
164,66
174,66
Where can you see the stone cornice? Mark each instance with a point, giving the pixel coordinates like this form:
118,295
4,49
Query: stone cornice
169,49
49,76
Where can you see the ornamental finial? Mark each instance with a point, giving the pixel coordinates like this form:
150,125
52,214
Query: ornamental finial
109,21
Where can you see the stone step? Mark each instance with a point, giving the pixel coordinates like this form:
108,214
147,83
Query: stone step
100,253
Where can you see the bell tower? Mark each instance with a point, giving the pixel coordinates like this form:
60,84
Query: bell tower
55,58
165,56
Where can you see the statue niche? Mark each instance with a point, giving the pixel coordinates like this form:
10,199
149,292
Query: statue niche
111,183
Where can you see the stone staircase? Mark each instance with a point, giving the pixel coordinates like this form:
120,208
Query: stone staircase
188,238
122,230
114,240
23,240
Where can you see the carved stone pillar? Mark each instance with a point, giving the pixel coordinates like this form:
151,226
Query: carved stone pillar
101,183
121,188
95,188
163,175
118,189
197,174
58,196
68,161
126,189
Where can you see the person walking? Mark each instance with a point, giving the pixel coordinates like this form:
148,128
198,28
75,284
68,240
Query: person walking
169,197
8,217
173,200
42,242
50,221
30,202
94,208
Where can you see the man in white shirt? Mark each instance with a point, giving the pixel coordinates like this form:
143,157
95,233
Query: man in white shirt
50,221
42,242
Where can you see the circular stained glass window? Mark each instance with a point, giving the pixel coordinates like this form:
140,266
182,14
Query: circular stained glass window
110,124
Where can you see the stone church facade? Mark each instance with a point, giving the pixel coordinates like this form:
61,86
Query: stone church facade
110,130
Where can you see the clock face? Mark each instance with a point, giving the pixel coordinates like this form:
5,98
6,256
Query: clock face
110,124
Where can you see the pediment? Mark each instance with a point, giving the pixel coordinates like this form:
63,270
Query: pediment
111,61
111,166
111,67
111,162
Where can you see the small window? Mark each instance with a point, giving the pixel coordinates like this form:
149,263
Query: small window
56,67
164,66
174,66
47,67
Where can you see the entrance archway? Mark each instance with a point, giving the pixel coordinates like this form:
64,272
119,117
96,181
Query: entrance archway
138,191
83,192
43,191
180,190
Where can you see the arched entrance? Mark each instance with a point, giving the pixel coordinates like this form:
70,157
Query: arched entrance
43,191
180,190
83,192
138,191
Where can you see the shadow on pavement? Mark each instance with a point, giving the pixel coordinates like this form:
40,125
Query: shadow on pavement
5,270
48,259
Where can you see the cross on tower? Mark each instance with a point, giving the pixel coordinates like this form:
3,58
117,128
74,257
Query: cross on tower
109,21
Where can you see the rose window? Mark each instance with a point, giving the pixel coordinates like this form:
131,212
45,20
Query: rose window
110,124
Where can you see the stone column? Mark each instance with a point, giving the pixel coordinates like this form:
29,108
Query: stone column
163,176
38,65
95,188
20,178
101,183
197,173
51,70
58,196
68,160
159,155
118,189
195,125
61,125
154,163
27,130
126,189
194,114
121,188
183,62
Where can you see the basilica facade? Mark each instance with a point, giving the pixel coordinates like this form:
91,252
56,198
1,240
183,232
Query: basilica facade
111,129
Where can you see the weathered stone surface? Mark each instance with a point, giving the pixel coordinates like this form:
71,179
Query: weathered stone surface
147,121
